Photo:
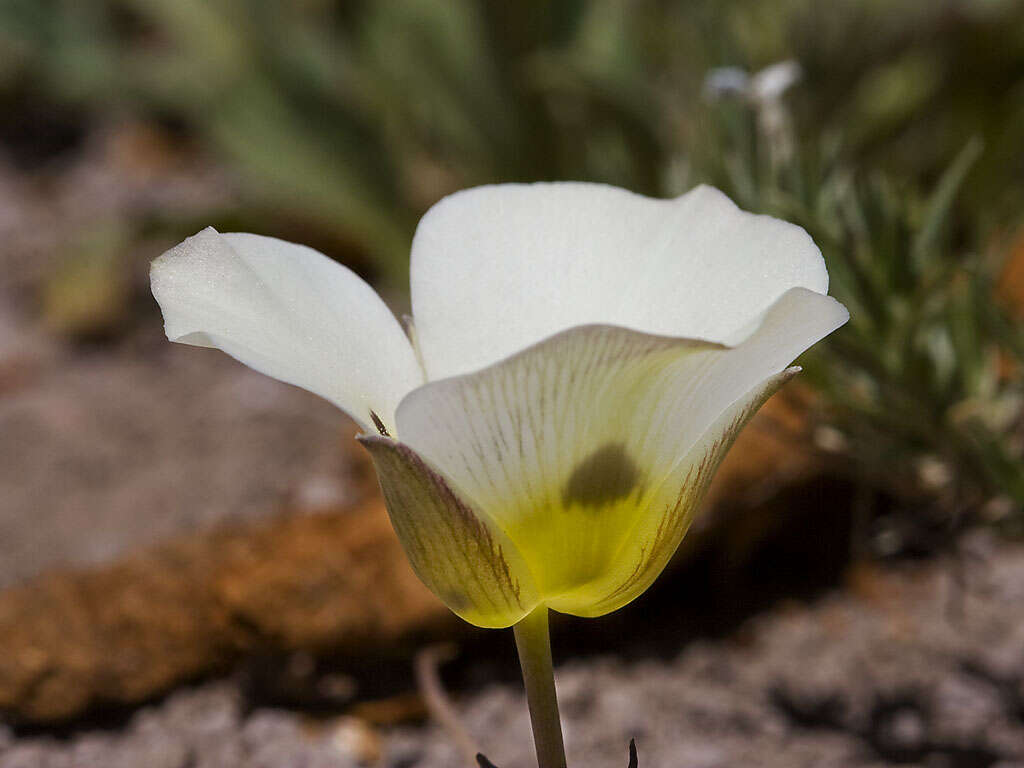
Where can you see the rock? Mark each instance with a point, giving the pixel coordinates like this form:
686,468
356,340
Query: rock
24,352
869,683
356,741
26,756
902,671
195,728
776,449
275,740
125,632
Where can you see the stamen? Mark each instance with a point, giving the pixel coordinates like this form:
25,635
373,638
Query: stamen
379,424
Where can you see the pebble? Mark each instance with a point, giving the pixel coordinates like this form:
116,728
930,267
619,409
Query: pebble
356,740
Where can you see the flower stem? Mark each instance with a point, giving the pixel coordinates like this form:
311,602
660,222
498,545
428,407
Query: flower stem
534,646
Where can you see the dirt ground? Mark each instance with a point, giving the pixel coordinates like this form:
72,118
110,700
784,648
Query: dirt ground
905,666
97,435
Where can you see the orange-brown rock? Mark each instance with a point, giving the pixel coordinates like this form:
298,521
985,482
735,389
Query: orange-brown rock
130,630
774,450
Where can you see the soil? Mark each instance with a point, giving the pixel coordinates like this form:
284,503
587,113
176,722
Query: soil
113,438
903,666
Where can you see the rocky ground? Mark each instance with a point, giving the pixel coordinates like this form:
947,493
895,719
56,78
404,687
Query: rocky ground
113,438
907,665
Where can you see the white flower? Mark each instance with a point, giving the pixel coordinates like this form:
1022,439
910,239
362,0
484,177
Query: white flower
726,81
764,91
771,83
581,359
765,87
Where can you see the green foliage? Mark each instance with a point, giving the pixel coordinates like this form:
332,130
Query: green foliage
925,385
354,116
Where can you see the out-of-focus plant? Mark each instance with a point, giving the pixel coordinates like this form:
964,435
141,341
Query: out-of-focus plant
924,388
355,117
87,294
349,118
352,117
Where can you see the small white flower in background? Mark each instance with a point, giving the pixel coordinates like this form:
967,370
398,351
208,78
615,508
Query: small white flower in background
764,87
764,91
724,82
580,361
771,83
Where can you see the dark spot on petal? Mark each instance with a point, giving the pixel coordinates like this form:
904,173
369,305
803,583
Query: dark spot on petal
605,476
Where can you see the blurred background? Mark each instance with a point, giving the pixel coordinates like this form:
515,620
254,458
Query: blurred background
195,566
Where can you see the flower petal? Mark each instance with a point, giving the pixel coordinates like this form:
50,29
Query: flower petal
456,551
291,313
498,268
773,81
571,444
648,547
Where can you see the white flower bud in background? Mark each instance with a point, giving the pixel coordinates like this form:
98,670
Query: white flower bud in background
764,92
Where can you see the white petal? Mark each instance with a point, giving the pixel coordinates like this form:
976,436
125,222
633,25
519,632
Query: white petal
773,81
568,445
726,81
791,325
291,313
496,269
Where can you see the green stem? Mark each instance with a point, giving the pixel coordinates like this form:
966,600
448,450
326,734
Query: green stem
534,646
